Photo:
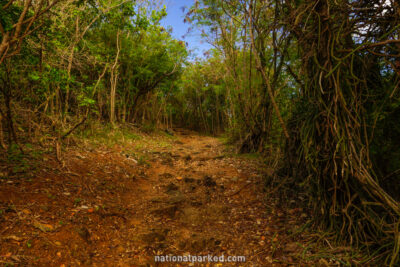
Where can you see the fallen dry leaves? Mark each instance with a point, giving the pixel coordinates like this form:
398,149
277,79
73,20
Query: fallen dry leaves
189,196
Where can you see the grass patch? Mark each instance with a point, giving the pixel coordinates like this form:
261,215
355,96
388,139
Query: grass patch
109,135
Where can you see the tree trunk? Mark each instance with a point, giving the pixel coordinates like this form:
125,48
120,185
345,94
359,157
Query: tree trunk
265,78
113,80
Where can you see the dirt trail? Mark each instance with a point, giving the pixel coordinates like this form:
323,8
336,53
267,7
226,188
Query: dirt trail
122,206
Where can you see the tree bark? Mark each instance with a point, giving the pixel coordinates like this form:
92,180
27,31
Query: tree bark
114,79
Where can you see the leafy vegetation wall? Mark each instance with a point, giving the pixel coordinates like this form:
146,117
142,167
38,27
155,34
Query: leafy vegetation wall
85,60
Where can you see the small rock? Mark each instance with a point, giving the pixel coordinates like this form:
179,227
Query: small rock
152,237
188,180
208,181
169,211
171,187
192,188
84,233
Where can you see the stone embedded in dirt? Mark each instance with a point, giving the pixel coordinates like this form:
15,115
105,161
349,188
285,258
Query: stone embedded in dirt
192,188
208,181
155,236
196,203
189,180
170,188
169,211
84,233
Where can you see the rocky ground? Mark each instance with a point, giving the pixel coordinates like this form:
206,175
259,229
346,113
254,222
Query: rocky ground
122,205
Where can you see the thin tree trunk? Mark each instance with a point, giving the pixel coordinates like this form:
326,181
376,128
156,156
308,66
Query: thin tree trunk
114,79
2,144
69,67
264,76
12,133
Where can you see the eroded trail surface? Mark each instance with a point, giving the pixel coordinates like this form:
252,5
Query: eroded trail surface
121,206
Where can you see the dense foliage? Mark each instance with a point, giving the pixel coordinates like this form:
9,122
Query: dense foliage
103,60
318,80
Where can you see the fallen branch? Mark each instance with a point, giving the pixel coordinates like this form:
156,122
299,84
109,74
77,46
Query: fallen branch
73,128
